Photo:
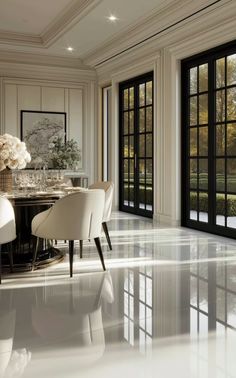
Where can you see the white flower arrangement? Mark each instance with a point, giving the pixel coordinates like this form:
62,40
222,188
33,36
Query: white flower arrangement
13,153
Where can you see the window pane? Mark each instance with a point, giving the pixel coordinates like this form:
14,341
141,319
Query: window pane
203,141
141,120
149,119
220,106
126,147
231,104
203,109
193,80
231,139
131,195
142,171
193,141
131,146
220,209
149,171
231,211
220,175
149,93
141,94
148,145
131,122
203,174
126,194
220,73
126,123
142,145
131,97
193,205
220,140
193,111
203,77
126,169
193,173
131,170
126,99
231,175
203,207
231,69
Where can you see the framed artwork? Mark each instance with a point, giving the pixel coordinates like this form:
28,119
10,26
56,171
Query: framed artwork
38,129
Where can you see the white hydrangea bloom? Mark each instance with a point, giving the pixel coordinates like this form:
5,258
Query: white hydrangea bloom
13,153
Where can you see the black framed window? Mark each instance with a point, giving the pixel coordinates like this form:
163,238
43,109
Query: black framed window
209,141
136,145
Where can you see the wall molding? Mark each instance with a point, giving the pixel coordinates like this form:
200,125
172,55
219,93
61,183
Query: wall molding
22,70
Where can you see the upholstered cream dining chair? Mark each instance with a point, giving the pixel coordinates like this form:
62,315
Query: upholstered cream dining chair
108,187
77,216
7,228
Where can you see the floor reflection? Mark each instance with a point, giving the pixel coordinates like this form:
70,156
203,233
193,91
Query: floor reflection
166,307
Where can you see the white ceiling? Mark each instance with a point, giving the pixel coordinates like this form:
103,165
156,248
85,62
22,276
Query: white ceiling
48,27
29,16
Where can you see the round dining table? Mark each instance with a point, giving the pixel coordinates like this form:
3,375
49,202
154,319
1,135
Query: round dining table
26,205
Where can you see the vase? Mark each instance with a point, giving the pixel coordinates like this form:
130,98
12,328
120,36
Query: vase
6,180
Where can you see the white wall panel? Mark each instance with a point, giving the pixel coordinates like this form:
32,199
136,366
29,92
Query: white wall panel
10,118
28,97
76,100
75,117
53,99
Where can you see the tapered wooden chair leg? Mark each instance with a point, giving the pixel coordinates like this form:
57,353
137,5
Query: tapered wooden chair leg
71,255
81,248
99,248
105,229
35,253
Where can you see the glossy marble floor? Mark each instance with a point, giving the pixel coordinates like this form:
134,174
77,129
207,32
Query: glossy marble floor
166,307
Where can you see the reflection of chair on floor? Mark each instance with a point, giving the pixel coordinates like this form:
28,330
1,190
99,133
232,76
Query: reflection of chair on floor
75,326
7,330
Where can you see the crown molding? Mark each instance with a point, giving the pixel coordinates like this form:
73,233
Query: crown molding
153,24
48,73
189,38
20,39
65,21
41,59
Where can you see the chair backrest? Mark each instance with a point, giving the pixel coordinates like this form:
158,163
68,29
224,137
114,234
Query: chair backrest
7,221
77,216
108,187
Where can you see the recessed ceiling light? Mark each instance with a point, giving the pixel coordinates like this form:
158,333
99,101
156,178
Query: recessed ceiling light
112,18
69,48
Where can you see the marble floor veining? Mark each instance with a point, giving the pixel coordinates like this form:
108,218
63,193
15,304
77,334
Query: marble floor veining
165,307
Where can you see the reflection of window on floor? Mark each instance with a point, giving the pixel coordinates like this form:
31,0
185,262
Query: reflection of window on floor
225,295
199,288
138,305
145,309
129,306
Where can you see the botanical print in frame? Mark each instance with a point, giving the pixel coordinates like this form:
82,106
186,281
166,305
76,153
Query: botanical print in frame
37,129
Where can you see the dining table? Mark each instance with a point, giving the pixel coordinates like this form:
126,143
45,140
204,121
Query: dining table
26,204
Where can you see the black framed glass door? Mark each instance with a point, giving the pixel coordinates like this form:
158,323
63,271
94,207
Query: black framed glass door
136,145
209,141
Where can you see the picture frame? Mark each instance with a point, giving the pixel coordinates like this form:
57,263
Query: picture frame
38,128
